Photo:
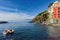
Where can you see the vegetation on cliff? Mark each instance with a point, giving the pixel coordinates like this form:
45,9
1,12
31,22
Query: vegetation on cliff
50,5
42,17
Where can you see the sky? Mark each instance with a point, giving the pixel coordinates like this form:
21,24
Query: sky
22,9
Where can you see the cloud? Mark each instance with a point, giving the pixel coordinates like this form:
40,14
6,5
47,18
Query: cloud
8,16
12,16
5,15
7,3
6,8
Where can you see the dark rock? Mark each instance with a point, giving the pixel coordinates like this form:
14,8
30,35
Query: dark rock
1,22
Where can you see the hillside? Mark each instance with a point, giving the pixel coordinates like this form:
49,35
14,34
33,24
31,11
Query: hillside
42,17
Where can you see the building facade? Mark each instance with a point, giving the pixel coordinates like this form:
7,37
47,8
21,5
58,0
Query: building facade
54,12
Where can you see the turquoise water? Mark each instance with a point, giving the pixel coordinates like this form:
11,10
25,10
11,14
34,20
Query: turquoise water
24,31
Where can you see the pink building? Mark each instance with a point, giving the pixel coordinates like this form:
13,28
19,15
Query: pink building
54,12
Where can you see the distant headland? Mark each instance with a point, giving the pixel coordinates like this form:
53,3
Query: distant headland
2,22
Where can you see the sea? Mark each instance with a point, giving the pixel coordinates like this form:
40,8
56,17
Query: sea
25,30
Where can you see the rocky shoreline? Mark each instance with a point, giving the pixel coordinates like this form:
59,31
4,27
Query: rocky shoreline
47,24
54,25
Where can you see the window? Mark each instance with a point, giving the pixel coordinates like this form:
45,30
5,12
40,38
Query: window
58,11
58,8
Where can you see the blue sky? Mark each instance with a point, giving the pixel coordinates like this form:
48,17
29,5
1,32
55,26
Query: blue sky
28,7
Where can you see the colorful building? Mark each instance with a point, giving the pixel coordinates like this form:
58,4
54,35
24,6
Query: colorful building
54,12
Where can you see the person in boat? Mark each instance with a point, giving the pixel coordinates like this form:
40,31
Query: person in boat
8,31
11,31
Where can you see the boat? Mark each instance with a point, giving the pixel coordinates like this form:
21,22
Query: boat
5,32
11,31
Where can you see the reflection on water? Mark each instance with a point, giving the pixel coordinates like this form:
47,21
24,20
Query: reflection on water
28,31
54,31
8,37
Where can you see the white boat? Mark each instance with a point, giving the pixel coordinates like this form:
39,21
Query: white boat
5,32
11,31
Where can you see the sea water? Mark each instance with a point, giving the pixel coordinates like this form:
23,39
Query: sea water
24,30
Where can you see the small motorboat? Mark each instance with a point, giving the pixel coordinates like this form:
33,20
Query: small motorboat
11,31
5,32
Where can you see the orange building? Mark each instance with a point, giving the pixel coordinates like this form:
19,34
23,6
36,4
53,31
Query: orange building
54,12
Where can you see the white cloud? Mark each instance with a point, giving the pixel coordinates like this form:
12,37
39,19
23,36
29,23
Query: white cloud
8,16
6,8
